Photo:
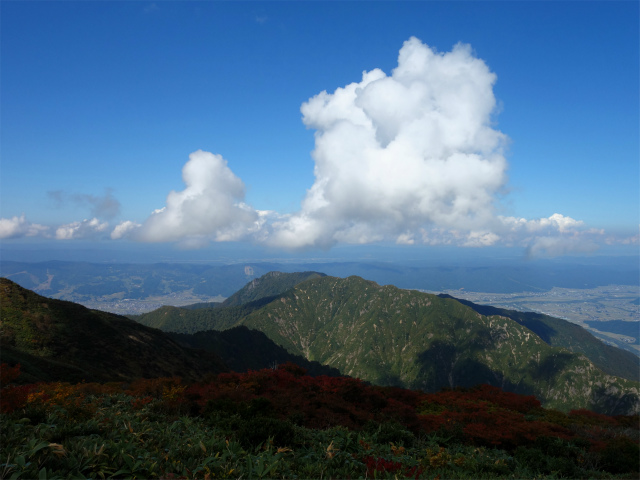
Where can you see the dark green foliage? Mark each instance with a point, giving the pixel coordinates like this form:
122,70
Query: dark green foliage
242,349
255,431
381,334
390,432
621,455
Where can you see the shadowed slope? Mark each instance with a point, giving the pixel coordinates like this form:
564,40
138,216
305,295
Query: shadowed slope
59,340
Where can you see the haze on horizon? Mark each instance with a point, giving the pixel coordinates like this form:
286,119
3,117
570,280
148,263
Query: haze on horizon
405,129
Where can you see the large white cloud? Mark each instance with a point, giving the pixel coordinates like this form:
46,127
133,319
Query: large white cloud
396,153
209,208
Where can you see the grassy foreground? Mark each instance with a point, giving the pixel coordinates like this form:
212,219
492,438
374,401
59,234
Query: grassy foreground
282,423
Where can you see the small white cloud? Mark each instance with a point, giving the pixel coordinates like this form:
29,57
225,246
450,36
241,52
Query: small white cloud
211,206
84,229
405,239
481,239
16,227
124,229
623,239
555,222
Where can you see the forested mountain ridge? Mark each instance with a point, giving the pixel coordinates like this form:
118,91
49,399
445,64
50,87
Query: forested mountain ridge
408,338
554,331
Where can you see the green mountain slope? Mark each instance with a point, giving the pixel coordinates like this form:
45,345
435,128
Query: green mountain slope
398,337
60,340
561,333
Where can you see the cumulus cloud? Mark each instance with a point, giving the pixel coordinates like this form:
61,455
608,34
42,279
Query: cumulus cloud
396,153
209,208
124,229
16,227
84,229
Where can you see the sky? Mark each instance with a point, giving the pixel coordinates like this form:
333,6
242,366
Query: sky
300,127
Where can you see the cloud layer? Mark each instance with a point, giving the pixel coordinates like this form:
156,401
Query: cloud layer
412,157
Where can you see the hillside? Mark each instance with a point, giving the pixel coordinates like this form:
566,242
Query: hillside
560,333
281,423
60,340
398,337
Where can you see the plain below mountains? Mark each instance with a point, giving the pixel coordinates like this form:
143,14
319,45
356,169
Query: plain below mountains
390,336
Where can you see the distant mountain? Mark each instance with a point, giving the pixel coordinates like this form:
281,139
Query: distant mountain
561,333
107,283
60,340
268,285
254,295
84,282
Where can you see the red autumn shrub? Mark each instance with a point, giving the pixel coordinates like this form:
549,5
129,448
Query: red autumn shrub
8,374
15,397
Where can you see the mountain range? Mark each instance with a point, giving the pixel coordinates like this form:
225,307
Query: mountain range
390,336
381,334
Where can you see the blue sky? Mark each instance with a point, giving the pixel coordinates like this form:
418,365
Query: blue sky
103,103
